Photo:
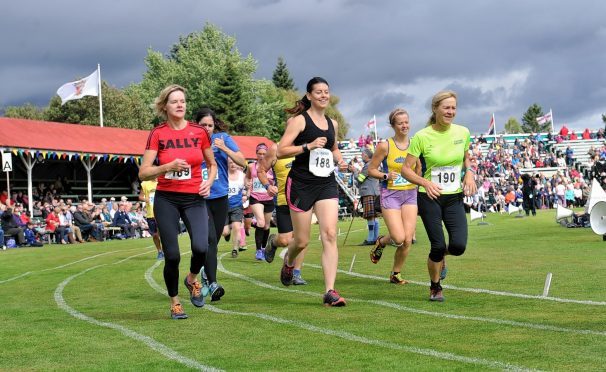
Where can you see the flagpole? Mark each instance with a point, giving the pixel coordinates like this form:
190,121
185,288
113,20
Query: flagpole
552,123
374,118
100,99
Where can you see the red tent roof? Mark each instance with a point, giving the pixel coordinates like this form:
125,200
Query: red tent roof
50,136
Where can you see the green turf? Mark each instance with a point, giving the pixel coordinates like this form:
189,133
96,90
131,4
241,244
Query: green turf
493,316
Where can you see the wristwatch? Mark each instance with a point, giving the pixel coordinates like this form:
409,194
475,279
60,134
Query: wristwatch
384,176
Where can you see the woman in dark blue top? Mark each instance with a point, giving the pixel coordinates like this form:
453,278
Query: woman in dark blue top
223,146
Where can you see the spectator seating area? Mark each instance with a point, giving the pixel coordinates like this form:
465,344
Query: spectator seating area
68,222
502,159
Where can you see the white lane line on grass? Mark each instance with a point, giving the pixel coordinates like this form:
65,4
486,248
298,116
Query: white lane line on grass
68,264
150,342
90,258
474,290
342,334
382,344
15,277
392,305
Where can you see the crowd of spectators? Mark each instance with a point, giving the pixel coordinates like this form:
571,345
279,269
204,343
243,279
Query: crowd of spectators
500,165
67,221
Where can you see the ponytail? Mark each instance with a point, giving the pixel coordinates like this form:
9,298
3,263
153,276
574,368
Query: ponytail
300,106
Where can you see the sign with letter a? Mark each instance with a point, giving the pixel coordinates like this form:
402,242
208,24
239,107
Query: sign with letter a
7,162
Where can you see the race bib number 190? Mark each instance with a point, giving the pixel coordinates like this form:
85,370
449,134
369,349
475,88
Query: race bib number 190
321,162
179,175
448,178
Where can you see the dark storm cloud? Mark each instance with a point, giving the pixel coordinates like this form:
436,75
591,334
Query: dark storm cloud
385,102
499,57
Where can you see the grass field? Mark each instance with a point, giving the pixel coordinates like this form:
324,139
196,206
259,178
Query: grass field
103,306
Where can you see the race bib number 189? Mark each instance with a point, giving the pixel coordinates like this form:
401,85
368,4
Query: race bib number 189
448,178
321,162
179,175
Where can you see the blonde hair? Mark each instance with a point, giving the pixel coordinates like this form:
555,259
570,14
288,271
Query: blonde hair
396,112
435,102
162,99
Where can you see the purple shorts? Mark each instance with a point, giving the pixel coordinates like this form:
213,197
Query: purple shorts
395,199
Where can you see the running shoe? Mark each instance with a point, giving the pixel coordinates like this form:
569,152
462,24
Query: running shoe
234,253
176,312
216,291
227,237
297,280
287,272
397,279
195,292
270,249
242,248
259,255
377,251
435,294
443,269
368,242
332,298
160,255
205,288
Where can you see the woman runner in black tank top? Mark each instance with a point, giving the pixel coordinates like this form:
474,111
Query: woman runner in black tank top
300,166
310,137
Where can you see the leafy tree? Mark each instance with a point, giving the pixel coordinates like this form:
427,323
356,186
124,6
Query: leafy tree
198,62
281,76
333,113
529,120
604,118
27,111
121,109
209,66
512,126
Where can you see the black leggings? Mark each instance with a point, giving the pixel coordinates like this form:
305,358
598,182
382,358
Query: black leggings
191,208
217,213
450,210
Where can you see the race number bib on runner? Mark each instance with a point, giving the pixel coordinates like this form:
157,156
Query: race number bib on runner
448,178
400,181
258,186
321,162
205,174
179,175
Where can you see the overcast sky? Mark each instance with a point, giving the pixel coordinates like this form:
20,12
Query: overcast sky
500,57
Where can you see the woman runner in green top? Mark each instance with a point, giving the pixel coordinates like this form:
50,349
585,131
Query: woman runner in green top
442,148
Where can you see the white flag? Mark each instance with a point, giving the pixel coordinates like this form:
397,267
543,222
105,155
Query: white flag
89,86
544,119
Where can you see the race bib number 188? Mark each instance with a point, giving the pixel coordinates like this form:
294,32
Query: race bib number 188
321,162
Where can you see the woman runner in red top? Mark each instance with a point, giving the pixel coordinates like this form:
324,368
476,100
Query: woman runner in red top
179,147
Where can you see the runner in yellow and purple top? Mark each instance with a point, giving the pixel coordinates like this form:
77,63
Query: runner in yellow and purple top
398,196
442,147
